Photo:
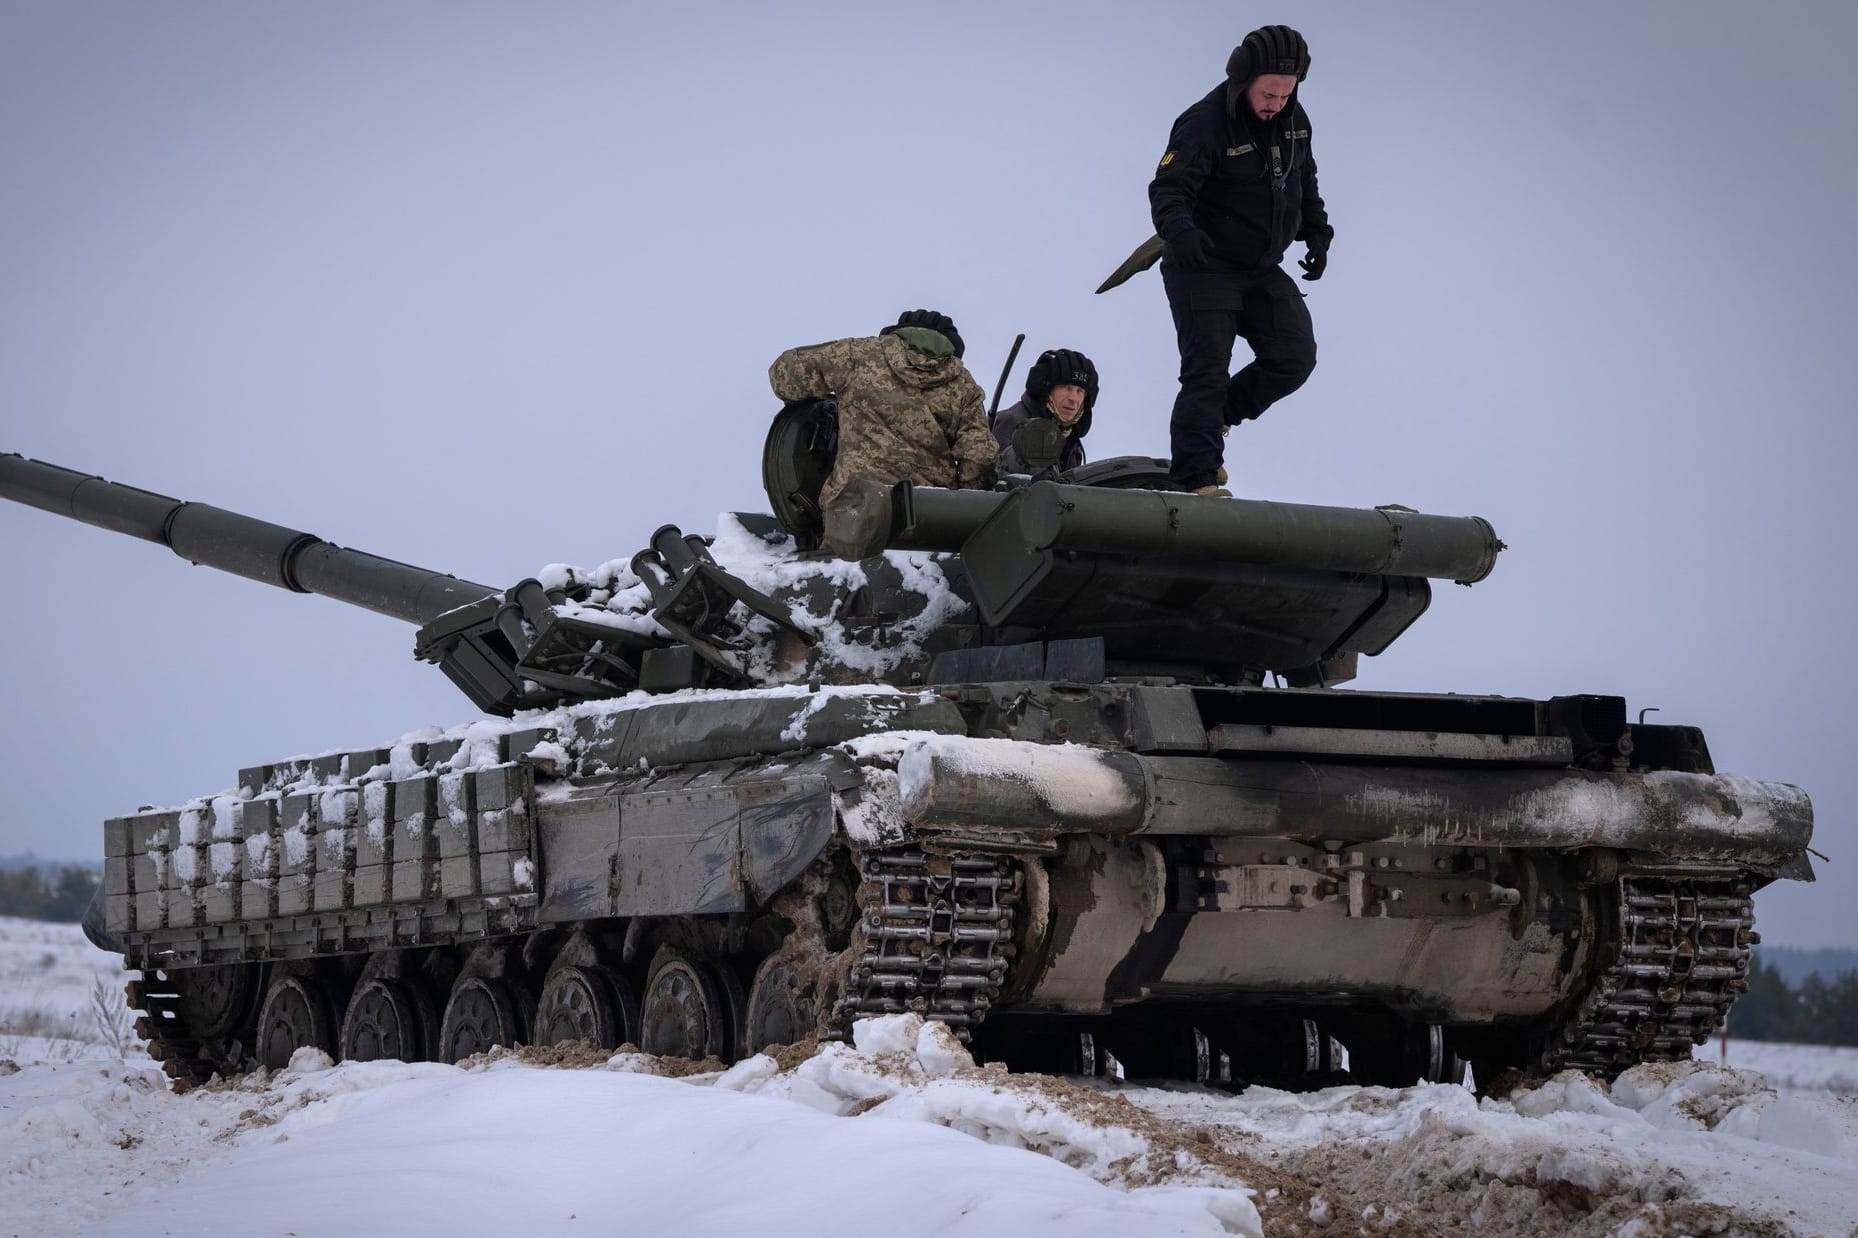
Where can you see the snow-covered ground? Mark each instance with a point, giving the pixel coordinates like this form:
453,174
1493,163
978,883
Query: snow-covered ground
899,1134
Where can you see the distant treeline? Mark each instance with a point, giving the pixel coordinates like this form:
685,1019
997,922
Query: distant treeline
1817,1011
1796,963
47,894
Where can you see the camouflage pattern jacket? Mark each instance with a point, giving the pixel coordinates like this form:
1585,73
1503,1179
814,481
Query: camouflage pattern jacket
908,409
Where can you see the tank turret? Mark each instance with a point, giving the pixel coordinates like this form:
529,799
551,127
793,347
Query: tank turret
1223,590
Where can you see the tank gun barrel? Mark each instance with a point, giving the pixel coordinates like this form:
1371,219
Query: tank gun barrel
242,545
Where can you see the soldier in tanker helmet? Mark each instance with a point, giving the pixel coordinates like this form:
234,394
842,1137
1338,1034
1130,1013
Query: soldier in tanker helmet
1061,385
908,408
1236,186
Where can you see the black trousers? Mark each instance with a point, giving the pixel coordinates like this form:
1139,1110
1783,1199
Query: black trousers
1211,309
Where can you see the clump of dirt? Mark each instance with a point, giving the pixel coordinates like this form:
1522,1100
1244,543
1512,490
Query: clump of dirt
250,1119
8,1066
1282,1196
787,1057
1417,1188
1429,1184
229,1083
1503,1085
683,1067
569,1055
496,1053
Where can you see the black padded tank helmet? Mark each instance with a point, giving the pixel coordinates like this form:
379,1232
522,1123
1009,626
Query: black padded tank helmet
1269,49
1062,365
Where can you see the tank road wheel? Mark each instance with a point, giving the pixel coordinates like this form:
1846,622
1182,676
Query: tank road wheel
295,1016
594,1004
1280,1051
482,1012
1402,1055
783,1008
685,1013
1036,1044
385,1020
215,1000
1160,1050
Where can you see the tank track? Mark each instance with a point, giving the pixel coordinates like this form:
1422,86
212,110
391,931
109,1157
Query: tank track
186,1058
192,1054
1679,958
934,937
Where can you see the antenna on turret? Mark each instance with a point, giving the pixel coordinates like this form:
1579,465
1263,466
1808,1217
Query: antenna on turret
1004,371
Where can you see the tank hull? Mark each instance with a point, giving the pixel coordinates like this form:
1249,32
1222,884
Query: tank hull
1166,871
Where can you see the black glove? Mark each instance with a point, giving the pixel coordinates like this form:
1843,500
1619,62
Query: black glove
1187,250
1316,260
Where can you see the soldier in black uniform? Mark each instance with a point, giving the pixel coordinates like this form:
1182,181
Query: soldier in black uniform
1236,186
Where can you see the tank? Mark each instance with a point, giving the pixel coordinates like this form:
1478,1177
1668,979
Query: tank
1066,765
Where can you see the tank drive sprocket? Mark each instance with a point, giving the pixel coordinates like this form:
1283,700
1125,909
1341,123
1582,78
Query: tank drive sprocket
934,937
1678,958
197,1020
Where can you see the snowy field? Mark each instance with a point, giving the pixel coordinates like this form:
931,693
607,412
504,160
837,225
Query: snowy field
899,1135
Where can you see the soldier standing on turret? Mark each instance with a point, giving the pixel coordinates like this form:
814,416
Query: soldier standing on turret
1236,186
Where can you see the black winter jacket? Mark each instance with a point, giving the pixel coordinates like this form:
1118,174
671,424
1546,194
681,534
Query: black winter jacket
1249,184
1010,419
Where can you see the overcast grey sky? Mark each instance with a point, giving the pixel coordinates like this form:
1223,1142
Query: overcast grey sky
488,286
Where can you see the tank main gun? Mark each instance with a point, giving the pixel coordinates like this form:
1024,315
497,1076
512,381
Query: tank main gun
242,545
505,649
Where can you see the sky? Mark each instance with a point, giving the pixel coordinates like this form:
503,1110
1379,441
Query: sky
484,287
1762,1139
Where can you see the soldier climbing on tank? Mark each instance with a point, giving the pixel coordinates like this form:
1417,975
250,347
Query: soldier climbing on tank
1235,187
1062,386
908,408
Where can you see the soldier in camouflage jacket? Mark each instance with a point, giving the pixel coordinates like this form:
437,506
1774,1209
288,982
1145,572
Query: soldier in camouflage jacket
908,408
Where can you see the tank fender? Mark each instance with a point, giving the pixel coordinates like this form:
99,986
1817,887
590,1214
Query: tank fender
94,928
955,782
726,727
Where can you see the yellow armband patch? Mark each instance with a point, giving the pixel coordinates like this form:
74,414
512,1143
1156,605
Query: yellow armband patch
1168,158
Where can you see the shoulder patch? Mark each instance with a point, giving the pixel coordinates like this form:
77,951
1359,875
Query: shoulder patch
1168,158
1298,133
